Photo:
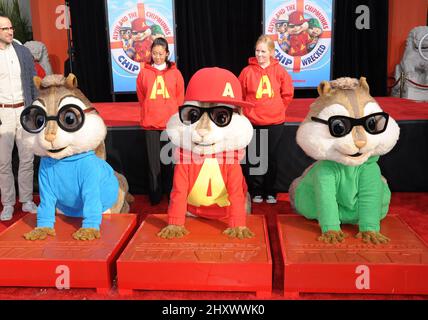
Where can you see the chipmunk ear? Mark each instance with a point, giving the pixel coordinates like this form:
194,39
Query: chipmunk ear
364,85
37,82
324,88
71,81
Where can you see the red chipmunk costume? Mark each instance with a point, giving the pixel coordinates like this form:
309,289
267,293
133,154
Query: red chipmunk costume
211,133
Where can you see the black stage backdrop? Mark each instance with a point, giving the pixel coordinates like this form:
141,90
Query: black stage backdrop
222,33
90,40
362,52
404,166
219,33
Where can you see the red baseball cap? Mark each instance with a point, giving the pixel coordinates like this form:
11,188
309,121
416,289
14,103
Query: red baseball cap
215,85
296,18
139,25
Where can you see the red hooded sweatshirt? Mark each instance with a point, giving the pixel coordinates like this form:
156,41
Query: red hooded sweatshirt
160,92
270,90
210,186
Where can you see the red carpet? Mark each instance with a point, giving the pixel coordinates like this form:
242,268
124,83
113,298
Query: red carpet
128,113
412,207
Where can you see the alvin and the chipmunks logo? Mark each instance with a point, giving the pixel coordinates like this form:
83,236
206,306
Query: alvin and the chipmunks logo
302,31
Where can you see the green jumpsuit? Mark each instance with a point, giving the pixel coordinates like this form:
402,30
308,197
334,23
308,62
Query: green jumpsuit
334,193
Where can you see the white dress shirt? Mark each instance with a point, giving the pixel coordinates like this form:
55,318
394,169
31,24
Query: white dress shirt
10,77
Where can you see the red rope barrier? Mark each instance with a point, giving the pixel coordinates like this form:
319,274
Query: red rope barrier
417,84
394,83
412,82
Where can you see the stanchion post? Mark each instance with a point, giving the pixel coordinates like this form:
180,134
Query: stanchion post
402,80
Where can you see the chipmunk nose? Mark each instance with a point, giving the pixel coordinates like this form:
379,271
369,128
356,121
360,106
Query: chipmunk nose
359,136
360,143
203,126
50,131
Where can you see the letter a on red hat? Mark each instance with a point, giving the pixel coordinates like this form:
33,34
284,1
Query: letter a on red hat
224,87
228,91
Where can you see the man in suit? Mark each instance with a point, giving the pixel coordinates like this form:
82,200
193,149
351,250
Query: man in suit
17,91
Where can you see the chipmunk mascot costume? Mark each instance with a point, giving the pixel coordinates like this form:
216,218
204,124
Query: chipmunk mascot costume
211,134
65,130
345,131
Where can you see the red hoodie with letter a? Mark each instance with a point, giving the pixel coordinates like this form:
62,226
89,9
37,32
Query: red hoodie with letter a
269,89
160,93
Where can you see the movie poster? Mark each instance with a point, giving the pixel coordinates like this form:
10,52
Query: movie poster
302,30
132,26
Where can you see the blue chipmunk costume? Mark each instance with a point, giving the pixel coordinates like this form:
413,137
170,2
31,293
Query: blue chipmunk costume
81,186
66,131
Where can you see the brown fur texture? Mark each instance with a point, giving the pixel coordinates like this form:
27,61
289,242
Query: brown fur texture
372,237
39,234
124,198
294,184
52,89
331,92
344,83
87,234
333,237
338,91
239,232
173,231
100,151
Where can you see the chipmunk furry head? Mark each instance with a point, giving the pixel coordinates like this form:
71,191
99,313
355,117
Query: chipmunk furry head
350,98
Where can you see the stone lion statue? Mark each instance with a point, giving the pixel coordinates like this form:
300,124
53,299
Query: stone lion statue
414,65
40,54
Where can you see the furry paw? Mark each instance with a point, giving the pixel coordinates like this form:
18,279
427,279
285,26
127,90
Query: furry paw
333,236
87,234
173,231
372,237
239,232
39,234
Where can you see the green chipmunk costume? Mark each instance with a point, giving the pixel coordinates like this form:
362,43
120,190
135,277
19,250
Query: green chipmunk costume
345,131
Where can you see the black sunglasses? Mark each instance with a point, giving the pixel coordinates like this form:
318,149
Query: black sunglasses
220,115
340,126
70,118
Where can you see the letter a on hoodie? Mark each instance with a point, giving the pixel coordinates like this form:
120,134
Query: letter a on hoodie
159,88
265,87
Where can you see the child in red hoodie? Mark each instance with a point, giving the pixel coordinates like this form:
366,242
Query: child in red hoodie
267,85
160,90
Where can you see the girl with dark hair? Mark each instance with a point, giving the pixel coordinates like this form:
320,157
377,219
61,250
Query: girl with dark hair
156,53
160,90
